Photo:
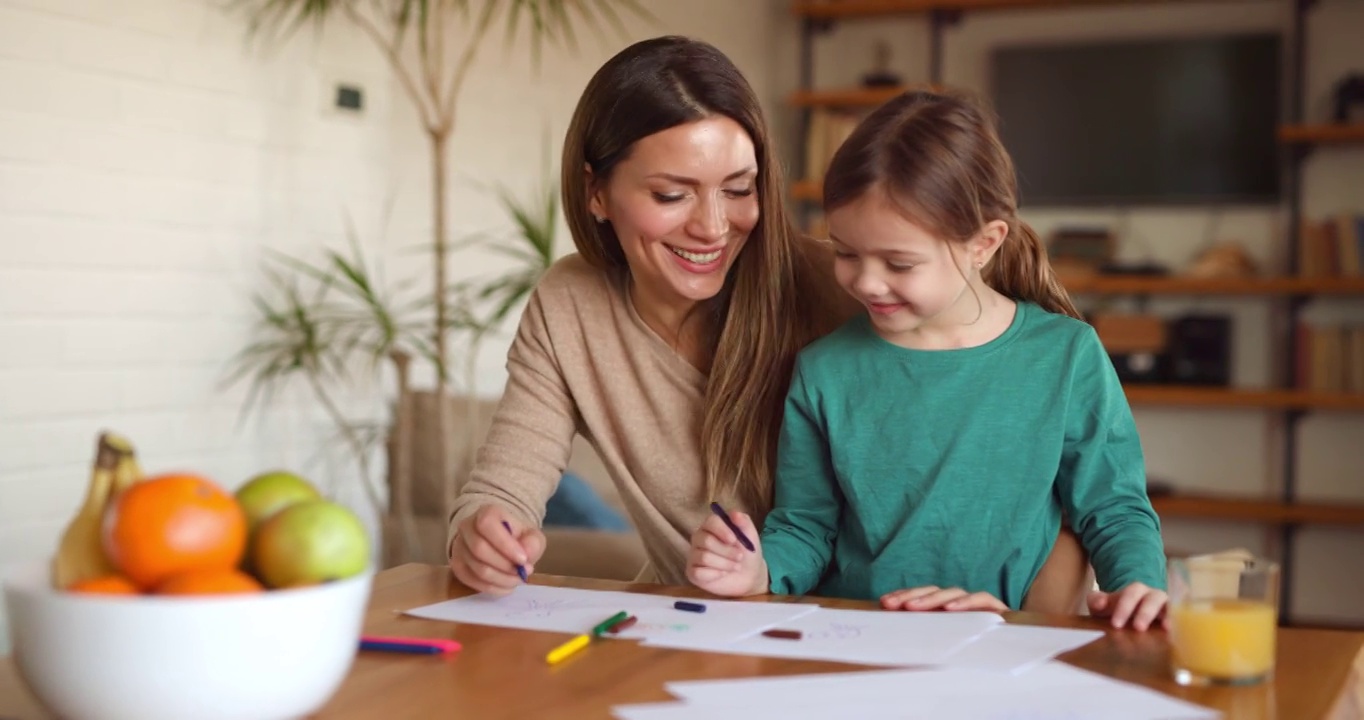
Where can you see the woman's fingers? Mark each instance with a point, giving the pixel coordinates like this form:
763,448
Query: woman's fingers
501,535
471,577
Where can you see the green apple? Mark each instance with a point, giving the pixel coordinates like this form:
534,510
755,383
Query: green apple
309,542
270,492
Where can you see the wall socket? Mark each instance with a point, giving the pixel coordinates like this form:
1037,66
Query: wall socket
350,97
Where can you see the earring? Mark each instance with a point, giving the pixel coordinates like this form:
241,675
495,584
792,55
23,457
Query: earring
980,264
600,219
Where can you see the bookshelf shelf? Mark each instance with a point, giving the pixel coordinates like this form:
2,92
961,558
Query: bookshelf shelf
1221,397
848,9
844,97
1244,509
1174,285
1338,134
806,190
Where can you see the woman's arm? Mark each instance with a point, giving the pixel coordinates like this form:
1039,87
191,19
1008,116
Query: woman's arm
1102,478
798,535
528,443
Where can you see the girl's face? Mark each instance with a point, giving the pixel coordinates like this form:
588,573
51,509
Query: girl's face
682,204
907,279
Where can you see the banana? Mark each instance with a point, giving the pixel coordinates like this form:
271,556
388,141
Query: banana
80,556
127,472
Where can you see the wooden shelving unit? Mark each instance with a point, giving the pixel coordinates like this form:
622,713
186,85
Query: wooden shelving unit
1257,510
806,190
847,97
1175,285
1289,293
1322,134
1219,397
851,9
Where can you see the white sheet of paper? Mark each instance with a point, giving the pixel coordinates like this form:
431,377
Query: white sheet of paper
573,610
1016,648
868,637
1053,690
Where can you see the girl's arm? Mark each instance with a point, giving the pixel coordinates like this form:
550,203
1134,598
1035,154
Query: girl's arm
798,535
1102,478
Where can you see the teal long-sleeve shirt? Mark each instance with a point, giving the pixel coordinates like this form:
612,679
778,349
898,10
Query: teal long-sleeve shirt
901,468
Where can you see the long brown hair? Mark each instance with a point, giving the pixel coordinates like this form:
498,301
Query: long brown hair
938,157
769,306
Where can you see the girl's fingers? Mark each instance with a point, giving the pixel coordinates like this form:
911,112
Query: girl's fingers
716,528
713,560
936,600
900,597
707,541
1100,603
1152,605
1125,603
977,601
703,575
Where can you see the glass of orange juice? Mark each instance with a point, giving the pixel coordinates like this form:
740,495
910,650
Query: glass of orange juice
1223,615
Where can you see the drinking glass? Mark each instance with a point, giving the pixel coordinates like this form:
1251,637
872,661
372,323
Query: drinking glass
1223,615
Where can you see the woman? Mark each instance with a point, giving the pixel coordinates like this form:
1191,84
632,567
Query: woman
668,340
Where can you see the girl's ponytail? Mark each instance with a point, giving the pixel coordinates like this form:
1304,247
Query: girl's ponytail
1020,270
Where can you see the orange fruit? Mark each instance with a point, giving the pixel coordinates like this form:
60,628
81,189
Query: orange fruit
209,582
105,585
171,524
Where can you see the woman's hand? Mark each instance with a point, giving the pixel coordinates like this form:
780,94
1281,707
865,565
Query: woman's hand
484,555
719,565
1138,603
933,597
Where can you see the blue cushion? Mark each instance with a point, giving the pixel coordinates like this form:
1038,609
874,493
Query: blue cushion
576,504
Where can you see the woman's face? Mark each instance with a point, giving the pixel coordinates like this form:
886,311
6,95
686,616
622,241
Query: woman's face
682,204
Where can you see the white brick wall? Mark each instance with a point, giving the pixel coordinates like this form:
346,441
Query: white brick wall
147,153
145,157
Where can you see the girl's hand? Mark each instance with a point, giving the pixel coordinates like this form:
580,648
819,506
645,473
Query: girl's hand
719,565
933,597
484,556
1139,603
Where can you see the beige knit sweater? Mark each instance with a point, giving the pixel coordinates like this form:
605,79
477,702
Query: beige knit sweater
583,362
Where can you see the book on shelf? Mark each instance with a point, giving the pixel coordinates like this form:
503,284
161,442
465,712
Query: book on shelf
1331,358
1333,247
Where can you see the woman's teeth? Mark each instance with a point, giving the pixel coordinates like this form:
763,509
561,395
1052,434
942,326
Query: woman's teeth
698,258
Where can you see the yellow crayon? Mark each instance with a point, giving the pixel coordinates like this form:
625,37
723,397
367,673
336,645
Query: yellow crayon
568,648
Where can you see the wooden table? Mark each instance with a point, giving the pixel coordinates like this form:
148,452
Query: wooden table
501,673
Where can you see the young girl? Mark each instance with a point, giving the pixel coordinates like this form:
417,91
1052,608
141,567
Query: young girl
931,445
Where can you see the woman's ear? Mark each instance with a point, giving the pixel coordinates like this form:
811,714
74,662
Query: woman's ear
988,242
596,196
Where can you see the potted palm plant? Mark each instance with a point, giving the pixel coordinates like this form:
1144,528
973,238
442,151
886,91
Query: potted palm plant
430,46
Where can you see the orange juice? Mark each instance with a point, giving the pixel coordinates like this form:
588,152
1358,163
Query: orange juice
1223,639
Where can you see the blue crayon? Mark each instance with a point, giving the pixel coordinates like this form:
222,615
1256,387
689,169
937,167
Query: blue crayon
689,606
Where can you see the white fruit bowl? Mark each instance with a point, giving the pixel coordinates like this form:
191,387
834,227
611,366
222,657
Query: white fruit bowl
273,655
